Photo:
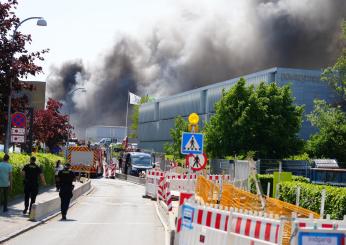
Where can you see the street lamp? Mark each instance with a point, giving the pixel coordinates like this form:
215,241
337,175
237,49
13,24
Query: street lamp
40,22
68,113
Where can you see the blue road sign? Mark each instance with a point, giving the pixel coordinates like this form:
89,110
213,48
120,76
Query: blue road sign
316,238
187,217
191,143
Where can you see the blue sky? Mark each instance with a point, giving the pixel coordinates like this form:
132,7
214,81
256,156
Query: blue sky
85,29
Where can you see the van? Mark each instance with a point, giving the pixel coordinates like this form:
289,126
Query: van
138,162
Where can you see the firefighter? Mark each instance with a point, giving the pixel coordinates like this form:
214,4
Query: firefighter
66,177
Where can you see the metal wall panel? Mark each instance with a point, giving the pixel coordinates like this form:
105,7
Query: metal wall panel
180,105
147,112
306,87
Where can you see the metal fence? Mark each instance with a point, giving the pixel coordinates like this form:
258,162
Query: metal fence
236,169
297,167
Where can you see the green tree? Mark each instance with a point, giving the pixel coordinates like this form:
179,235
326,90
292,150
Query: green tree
336,75
330,141
135,115
180,126
262,119
16,62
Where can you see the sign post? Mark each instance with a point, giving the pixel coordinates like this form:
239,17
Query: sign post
18,130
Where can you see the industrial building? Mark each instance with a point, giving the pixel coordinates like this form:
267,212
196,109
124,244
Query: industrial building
156,118
96,133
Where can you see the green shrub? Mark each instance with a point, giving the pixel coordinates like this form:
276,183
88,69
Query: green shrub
45,161
310,197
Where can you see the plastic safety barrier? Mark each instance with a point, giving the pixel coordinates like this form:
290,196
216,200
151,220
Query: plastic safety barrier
306,231
207,225
152,183
253,229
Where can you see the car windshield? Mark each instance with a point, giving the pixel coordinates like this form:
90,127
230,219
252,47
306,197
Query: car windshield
141,160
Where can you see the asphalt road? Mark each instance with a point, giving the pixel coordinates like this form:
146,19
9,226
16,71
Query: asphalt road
114,213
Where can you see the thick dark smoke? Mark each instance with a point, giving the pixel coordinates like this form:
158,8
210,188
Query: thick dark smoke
212,43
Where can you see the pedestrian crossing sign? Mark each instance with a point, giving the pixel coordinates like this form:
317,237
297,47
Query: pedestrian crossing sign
191,143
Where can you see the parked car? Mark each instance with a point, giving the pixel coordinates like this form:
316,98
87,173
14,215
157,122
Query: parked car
138,162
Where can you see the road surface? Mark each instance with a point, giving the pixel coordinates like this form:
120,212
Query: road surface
114,213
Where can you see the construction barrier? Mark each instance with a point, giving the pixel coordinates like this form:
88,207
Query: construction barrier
248,229
306,231
232,197
207,225
112,168
105,171
152,183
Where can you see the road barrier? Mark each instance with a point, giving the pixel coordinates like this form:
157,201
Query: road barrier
105,171
112,168
152,183
210,225
325,231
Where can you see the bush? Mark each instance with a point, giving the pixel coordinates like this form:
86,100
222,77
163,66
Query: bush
264,179
45,161
310,197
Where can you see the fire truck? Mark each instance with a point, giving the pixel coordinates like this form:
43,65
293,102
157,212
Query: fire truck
84,159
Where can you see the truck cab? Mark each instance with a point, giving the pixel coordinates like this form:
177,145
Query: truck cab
138,162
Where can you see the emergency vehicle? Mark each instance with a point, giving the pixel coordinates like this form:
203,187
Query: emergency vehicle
84,159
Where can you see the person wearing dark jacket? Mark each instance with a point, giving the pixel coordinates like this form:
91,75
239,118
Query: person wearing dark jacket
66,177
31,173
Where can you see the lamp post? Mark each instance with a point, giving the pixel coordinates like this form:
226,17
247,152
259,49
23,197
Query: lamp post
68,113
40,22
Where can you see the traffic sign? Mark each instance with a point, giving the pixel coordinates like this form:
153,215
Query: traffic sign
191,143
193,118
17,139
18,131
196,162
18,120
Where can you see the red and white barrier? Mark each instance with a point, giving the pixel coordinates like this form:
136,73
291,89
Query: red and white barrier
250,229
152,182
326,231
112,170
105,171
205,225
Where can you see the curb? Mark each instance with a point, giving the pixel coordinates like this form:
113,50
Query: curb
165,226
37,223
169,230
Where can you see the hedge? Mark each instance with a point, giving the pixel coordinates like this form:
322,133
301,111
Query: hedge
45,161
310,197
264,179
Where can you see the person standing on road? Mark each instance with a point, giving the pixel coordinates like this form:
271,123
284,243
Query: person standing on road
58,167
66,177
31,173
127,162
5,179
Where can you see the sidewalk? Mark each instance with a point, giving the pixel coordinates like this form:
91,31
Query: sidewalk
14,222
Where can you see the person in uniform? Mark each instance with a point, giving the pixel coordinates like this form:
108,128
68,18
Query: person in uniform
31,173
66,177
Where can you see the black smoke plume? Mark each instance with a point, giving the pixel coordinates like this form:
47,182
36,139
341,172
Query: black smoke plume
201,46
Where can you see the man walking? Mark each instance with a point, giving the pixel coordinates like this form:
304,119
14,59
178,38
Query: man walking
66,177
31,173
5,179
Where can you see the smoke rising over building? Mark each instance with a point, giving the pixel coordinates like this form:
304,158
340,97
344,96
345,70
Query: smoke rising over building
201,44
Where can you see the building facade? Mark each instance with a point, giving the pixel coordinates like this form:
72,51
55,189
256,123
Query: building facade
156,118
96,133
